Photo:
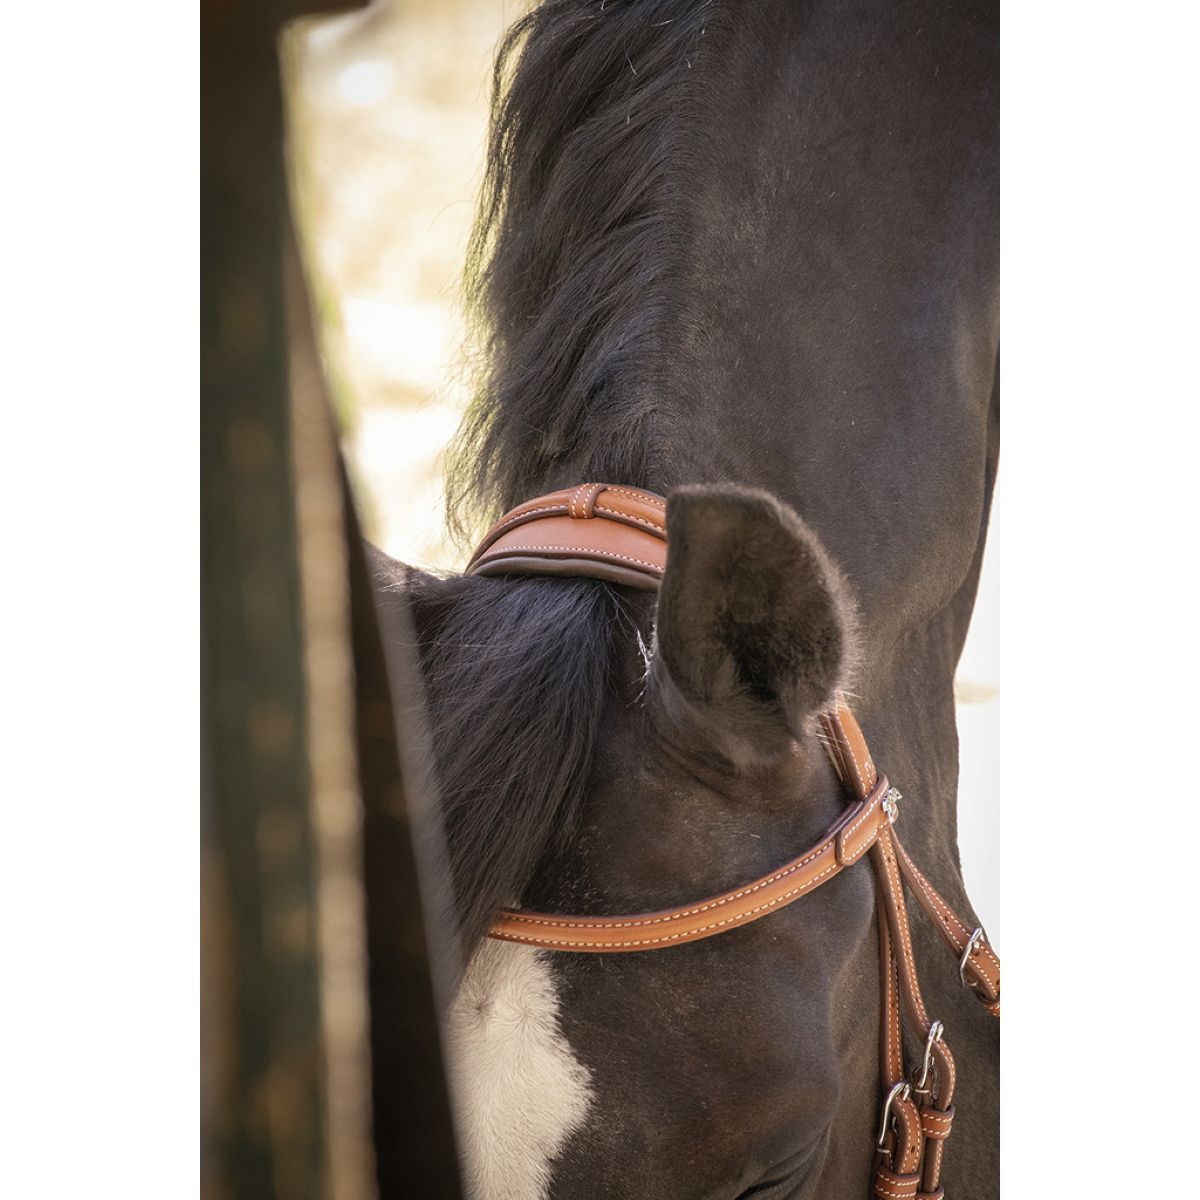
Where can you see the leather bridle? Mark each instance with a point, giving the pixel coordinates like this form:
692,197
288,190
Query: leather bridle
619,534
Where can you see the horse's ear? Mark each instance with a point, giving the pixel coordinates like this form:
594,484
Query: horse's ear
754,627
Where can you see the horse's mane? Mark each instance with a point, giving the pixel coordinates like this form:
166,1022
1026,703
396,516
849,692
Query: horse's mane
579,229
577,233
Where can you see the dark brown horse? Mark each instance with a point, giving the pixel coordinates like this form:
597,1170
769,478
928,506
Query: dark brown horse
721,244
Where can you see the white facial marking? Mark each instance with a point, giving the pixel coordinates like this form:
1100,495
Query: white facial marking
519,1091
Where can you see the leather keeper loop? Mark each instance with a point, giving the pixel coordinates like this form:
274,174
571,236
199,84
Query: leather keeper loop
582,504
859,832
935,1123
890,1186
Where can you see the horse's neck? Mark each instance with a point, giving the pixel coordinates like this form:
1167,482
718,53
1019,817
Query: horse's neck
836,344
831,333
915,613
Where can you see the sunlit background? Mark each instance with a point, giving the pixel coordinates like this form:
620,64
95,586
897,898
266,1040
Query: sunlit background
387,111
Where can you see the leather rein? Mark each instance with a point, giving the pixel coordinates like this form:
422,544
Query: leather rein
619,534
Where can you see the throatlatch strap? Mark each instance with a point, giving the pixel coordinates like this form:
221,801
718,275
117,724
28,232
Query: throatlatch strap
981,967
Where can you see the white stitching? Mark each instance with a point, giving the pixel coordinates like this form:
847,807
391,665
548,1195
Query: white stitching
593,493
519,516
943,908
645,497
806,886
678,914
871,807
953,1072
945,911
904,1195
837,716
510,551
983,945
935,1169
943,1115
903,935
571,508
614,512
897,1032
896,1049
519,519
916,1142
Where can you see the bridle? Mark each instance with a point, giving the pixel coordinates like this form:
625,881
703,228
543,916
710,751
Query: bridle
619,534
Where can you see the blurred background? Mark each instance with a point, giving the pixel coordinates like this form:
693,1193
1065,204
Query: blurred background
387,111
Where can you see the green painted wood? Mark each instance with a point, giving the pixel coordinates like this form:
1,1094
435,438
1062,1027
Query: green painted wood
261,1049
264,1074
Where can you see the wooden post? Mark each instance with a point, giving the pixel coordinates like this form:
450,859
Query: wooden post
301,747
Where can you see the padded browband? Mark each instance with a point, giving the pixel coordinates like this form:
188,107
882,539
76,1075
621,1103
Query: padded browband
596,531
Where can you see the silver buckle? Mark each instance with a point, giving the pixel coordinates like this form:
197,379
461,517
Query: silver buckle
891,804
972,942
935,1035
903,1090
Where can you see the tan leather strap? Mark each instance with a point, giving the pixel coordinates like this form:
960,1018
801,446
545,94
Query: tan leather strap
847,749
933,1087
981,968
850,838
618,534
595,530
890,1186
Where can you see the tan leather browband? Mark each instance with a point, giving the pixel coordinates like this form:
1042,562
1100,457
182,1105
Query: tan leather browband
619,534
594,530
852,837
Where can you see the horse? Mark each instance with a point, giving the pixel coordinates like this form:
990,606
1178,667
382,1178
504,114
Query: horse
746,257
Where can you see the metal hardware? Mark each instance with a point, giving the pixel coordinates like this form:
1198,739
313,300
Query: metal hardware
891,804
903,1090
972,942
935,1035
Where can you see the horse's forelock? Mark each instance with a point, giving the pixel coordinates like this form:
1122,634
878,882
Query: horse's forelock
516,673
579,227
